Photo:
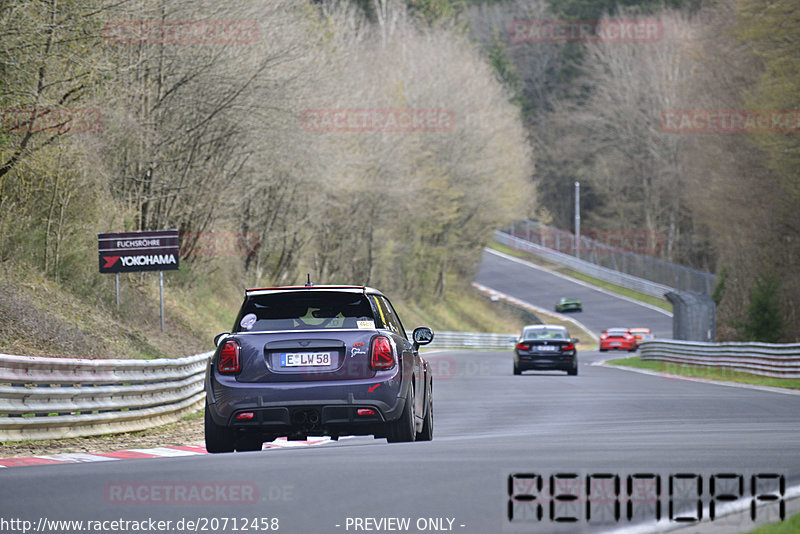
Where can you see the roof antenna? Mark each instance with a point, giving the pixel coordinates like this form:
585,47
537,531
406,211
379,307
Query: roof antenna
308,281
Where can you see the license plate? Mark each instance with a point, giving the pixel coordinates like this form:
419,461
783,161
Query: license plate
302,359
615,343
546,348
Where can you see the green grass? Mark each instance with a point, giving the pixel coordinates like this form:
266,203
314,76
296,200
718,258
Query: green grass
707,372
789,526
642,297
460,310
197,414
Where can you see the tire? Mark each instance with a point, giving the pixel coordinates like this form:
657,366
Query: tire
404,428
573,371
517,370
218,438
427,422
603,350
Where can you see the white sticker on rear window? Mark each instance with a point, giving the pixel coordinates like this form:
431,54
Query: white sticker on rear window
366,325
248,321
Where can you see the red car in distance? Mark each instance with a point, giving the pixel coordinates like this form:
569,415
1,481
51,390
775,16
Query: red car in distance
617,339
641,335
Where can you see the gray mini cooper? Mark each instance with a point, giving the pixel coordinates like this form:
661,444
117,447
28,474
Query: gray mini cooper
317,360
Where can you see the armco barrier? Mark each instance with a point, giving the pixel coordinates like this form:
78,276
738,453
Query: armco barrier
767,359
48,398
470,340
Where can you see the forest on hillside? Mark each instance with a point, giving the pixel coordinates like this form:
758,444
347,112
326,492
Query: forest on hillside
200,116
268,120
610,113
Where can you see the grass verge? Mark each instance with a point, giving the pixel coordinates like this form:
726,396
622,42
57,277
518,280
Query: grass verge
788,526
625,292
706,373
461,310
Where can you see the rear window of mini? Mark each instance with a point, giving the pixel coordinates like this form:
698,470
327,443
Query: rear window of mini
304,310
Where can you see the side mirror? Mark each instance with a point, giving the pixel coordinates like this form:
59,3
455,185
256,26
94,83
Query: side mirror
575,340
513,339
218,337
422,336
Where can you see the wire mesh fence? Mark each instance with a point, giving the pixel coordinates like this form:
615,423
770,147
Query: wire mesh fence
630,252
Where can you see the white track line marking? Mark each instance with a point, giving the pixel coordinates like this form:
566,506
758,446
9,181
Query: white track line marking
77,457
724,510
670,376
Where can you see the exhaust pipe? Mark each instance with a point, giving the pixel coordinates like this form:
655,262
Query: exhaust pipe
299,417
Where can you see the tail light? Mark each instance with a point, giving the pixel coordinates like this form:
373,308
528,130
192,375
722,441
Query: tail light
229,358
382,354
523,346
568,347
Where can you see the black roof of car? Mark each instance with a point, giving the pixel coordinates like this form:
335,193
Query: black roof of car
344,288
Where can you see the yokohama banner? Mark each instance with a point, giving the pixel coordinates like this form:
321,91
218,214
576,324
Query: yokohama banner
128,252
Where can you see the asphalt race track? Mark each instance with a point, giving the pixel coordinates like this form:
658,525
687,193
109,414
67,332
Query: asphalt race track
542,428
601,309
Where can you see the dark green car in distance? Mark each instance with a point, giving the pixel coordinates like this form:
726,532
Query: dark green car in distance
567,304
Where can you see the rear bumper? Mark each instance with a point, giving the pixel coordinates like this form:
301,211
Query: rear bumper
625,346
532,362
306,407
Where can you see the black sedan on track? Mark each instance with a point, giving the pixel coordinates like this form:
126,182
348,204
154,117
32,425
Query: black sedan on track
317,360
544,347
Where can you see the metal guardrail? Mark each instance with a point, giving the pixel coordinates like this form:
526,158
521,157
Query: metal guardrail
49,398
766,359
470,340
615,277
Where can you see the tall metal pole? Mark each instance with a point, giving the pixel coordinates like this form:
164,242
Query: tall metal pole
116,288
161,290
577,220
